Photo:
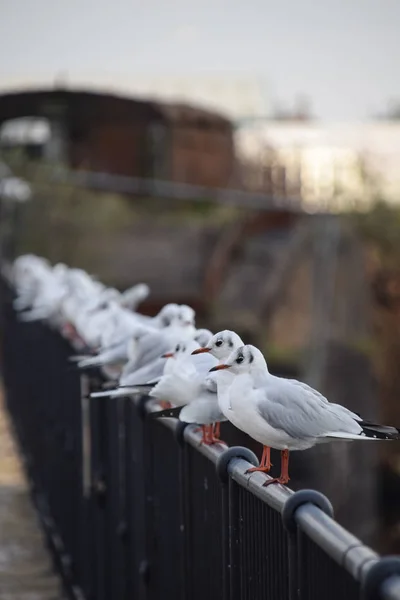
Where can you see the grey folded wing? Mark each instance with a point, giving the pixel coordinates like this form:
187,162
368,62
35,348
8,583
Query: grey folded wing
147,373
300,413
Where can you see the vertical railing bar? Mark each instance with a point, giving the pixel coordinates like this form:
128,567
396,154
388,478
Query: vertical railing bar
98,491
184,525
86,436
187,516
226,541
234,549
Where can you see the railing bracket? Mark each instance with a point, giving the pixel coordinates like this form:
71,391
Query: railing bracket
234,452
377,574
298,499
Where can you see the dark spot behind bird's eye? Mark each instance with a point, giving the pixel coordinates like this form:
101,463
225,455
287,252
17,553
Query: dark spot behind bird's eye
230,343
218,343
251,358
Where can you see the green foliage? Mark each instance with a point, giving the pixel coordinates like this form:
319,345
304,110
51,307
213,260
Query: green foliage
381,227
282,354
66,222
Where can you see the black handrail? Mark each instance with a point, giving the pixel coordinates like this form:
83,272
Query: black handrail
135,508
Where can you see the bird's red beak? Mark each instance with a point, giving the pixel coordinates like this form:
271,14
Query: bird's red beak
201,350
219,367
167,355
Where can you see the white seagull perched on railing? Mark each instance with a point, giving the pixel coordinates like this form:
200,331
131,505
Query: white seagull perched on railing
148,351
285,414
187,383
121,330
197,391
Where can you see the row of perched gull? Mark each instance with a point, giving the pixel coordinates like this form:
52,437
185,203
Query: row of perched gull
189,373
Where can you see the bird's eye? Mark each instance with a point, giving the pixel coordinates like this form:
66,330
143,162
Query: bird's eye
177,348
218,343
239,359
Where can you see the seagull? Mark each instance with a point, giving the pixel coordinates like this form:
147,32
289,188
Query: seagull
150,347
148,351
183,367
221,346
124,332
286,414
186,383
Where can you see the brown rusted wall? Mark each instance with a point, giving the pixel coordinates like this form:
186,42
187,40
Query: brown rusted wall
113,134
113,148
194,154
202,156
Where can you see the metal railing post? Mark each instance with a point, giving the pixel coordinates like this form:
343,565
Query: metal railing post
296,588
377,581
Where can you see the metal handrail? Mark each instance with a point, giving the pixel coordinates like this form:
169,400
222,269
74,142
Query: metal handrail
303,520
343,547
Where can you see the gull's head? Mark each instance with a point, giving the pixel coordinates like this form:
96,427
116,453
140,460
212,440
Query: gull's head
109,294
182,349
203,337
185,316
222,345
142,290
60,270
168,314
245,359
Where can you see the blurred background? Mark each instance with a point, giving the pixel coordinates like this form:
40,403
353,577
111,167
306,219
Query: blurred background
243,158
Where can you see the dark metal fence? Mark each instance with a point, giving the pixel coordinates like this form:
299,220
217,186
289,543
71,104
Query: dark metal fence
135,509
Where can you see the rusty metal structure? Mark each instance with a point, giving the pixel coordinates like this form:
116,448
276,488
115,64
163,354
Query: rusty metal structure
125,136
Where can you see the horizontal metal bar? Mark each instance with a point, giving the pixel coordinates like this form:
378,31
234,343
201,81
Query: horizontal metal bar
339,544
170,422
390,588
180,191
190,435
274,495
343,547
194,439
152,406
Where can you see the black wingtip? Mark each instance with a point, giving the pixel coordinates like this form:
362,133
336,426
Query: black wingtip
380,432
167,412
137,385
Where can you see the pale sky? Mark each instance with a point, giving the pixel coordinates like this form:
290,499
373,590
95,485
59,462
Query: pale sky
343,54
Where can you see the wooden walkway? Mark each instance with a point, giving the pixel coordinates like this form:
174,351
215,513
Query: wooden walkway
26,571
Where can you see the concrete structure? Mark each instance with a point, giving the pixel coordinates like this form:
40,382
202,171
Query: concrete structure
339,166
26,570
121,135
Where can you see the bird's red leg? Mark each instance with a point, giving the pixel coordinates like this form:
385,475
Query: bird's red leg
215,433
284,476
265,464
208,436
204,436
